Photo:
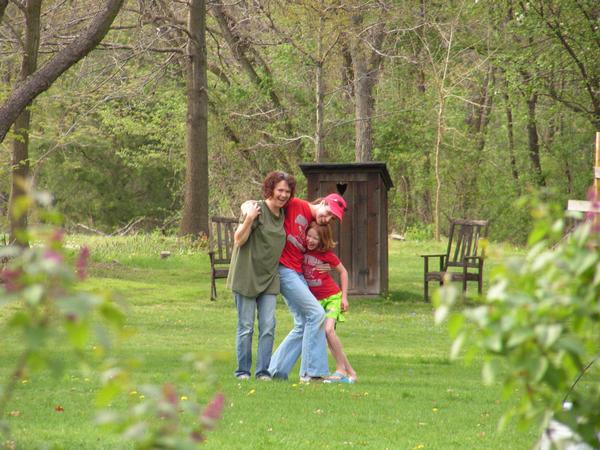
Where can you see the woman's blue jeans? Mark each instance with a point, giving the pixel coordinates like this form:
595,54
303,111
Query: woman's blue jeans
308,335
247,309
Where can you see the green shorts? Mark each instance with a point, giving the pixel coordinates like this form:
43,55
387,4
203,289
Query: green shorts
333,307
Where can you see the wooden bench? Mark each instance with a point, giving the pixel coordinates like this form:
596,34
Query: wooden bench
463,253
220,249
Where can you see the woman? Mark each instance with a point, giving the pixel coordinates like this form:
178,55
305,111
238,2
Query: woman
253,275
308,335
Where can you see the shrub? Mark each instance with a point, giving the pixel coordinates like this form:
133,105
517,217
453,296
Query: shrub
539,324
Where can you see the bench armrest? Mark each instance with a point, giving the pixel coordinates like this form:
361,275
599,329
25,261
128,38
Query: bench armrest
426,261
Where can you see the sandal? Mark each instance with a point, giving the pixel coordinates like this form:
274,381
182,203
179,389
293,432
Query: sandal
336,376
343,379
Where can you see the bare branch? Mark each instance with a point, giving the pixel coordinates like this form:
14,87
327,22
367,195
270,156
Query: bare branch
19,4
287,38
115,46
43,78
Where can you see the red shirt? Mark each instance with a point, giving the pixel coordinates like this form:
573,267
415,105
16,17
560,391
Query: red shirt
297,219
320,283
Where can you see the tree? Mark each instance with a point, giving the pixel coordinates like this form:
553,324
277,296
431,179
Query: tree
195,206
441,73
365,45
20,152
33,82
43,78
328,35
3,5
572,28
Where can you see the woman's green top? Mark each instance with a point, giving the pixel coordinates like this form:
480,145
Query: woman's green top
253,268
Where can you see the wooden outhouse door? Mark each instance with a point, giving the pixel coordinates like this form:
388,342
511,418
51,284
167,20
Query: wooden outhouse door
363,274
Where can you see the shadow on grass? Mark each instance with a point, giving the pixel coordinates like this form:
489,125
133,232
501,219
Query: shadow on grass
398,296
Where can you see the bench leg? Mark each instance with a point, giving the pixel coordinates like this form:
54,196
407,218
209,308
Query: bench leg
213,289
426,289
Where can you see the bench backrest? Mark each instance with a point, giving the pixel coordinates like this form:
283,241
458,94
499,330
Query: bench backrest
463,242
221,238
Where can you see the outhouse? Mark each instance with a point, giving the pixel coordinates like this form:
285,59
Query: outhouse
362,243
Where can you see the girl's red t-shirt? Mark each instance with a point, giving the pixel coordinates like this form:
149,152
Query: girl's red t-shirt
297,219
320,283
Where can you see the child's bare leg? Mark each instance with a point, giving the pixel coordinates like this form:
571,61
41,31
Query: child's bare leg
342,365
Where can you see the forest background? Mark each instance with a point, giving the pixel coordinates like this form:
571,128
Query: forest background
470,103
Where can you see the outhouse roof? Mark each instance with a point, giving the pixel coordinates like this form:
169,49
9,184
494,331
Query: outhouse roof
372,166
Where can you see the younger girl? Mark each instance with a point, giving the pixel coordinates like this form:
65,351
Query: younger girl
333,299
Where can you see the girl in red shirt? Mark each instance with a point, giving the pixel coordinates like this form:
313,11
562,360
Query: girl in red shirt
334,300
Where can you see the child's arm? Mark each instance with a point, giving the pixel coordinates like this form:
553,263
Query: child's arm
344,282
244,229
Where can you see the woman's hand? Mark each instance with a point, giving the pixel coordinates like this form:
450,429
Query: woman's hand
253,211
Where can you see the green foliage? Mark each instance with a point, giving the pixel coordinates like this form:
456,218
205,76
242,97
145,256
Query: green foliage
122,161
162,416
419,233
46,310
108,138
539,325
45,307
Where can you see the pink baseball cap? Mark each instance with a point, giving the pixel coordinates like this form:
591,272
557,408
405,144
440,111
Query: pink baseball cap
337,205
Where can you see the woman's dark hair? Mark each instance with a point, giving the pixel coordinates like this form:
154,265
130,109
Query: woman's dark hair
273,178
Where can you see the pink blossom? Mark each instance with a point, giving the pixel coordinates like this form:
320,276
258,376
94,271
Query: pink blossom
170,394
57,235
53,256
213,410
10,278
82,261
71,317
196,436
593,215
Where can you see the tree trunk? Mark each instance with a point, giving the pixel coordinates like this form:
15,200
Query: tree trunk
426,209
3,5
441,128
421,81
319,97
533,140
20,145
43,78
195,208
477,121
366,65
438,146
363,110
511,137
346,71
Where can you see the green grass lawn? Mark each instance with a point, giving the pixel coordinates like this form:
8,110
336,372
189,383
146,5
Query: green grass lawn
409,395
